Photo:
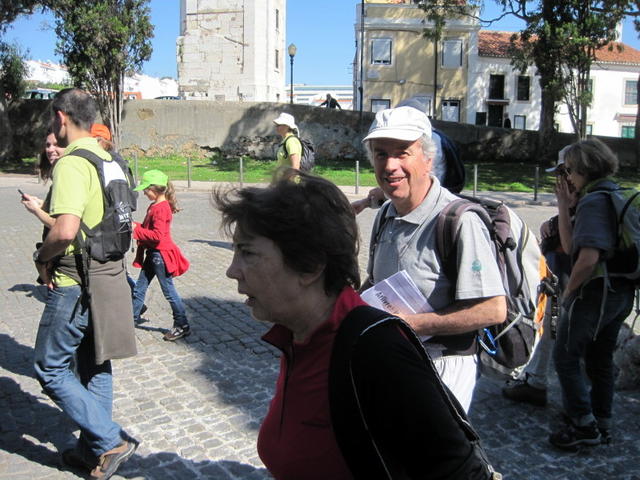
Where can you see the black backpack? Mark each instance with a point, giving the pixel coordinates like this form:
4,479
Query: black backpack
455,174
308,157
111,238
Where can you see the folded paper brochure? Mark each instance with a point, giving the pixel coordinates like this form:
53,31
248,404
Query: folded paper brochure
398,295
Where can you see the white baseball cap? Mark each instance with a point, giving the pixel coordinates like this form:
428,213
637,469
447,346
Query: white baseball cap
560,159
286,119
400,123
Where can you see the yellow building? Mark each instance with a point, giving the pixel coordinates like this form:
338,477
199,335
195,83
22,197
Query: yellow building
398,62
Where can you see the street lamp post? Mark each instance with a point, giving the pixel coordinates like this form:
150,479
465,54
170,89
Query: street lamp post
292,53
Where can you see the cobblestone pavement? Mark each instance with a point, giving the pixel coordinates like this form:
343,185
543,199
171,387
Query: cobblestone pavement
197,404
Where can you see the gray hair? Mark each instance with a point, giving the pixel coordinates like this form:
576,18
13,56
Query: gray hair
592,159
429,148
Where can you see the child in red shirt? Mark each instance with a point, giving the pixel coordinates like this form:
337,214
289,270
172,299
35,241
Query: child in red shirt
163,257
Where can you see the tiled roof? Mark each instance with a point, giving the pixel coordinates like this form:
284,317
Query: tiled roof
626,55
496,44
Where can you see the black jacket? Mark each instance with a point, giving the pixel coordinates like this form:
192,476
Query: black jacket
392,416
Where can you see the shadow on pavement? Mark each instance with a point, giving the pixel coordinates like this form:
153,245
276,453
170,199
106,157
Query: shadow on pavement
215,243
23,415
15,357
242,368
38,292
168,465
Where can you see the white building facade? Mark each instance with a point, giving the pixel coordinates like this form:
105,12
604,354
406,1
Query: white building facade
232,50
497,89
314,95
135,86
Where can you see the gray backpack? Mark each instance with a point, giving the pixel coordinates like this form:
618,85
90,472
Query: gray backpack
625,261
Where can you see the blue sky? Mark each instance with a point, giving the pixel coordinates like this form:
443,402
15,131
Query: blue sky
323,31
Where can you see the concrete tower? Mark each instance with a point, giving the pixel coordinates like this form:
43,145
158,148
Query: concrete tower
232,50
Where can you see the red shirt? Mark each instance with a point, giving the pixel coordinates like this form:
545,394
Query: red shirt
296,439
155,233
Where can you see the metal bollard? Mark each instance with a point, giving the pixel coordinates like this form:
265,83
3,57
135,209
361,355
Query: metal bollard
188,172
536,184
357,177
241,172
475,179
135,167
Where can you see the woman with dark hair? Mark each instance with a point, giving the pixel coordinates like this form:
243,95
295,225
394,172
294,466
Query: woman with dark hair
595,300
47,159
48,156
357,395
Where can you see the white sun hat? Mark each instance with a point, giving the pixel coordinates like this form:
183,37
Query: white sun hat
286,119
400,123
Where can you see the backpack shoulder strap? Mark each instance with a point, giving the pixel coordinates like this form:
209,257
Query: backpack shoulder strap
96,161
286,140
378,225
447,228
93,159
84,263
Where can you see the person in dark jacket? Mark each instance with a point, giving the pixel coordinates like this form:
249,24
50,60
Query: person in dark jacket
295,259
331,102
595,302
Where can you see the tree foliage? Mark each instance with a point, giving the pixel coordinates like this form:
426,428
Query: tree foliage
13,71
12,67
11,9
574,32
101,41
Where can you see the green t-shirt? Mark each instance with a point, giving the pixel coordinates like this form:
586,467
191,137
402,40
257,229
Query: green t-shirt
293,147
76,190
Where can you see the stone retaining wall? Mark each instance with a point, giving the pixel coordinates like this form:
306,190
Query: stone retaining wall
156,127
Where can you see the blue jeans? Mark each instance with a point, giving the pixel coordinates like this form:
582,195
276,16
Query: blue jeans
582,335
154,266
65,331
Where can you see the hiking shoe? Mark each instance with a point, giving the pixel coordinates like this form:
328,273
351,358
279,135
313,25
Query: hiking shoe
144,308
605,436
109,461
521,391
72,457
177,332
570,437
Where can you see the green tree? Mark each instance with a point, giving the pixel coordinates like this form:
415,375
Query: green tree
101,41
11,9
13,71
584,28
12,67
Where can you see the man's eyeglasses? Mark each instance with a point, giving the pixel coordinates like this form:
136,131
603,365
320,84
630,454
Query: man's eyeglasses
567,170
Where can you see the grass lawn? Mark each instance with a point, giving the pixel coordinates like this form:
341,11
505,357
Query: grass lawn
515,177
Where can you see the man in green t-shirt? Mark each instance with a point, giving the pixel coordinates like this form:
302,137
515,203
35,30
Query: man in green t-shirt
68,318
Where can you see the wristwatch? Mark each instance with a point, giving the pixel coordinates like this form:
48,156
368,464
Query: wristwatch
36,258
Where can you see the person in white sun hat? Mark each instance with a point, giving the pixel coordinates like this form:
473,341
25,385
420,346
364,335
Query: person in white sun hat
290,149
402,153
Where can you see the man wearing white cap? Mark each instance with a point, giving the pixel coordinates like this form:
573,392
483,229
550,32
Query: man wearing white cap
403,238
290,149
